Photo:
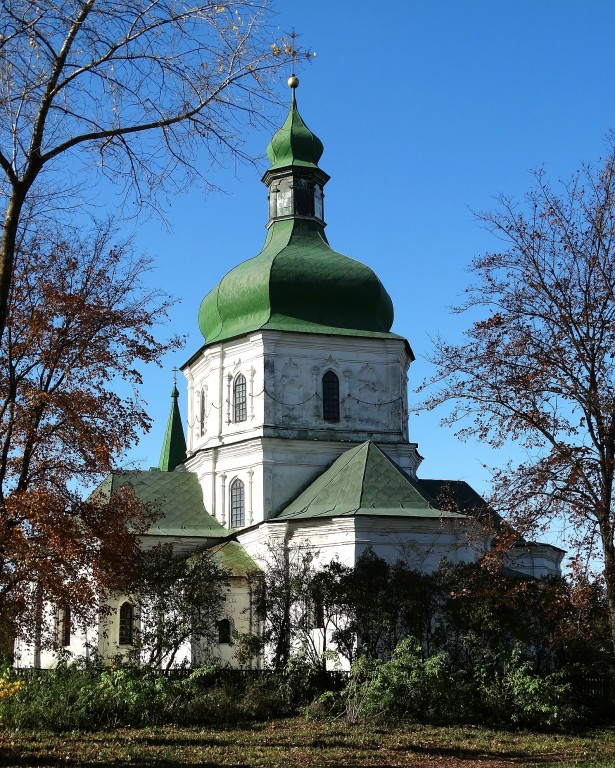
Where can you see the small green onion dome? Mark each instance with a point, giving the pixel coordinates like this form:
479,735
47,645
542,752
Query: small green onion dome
294,144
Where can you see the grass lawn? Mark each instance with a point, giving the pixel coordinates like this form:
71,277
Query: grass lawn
298,742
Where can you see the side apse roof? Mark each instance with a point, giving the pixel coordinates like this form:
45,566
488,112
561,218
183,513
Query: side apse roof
178,496
234,558
364,481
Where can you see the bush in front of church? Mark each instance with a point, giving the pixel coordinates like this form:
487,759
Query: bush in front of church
83,697
502,692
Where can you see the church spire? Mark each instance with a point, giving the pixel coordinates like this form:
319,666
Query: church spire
295,181
174,443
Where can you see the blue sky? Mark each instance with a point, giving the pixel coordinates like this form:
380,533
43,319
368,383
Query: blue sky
427,110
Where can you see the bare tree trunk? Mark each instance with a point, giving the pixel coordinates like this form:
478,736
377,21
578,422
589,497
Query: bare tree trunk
609,577
7,252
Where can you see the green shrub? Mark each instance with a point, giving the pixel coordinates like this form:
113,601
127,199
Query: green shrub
72,697
408,686
506,693
517,695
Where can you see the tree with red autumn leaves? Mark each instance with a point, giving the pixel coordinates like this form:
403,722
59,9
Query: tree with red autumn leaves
80,325
539,367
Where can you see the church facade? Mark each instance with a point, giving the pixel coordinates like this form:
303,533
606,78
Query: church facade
298,420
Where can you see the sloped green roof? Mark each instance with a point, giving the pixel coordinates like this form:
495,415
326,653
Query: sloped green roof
298,283
232,556
177,495
174,444
363,481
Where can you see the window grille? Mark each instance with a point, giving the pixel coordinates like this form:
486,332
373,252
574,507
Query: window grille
65,627
240,412
238,507
330,397
126,624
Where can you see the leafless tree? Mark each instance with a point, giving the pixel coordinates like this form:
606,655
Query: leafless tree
539,367
130,89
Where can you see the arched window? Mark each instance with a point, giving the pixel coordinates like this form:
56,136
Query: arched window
224,632
239,399
127,616
238,504
65,626
330,397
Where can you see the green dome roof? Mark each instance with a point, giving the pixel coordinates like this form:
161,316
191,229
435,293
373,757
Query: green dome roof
294,144
297,283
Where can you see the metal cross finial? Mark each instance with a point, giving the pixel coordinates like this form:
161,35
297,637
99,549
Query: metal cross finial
174,374
293,49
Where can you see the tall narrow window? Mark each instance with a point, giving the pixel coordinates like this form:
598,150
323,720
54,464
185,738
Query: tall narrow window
126,624
224,632
330,397
65,626
318,202
240,412
202,409
304,202
238,506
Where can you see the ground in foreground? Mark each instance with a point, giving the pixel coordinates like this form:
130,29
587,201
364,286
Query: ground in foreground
298,742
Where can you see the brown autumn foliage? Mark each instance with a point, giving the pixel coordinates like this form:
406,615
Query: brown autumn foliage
538,368
80,326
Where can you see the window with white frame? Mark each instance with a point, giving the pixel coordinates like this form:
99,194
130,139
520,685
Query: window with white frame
238,504
330,397
240,410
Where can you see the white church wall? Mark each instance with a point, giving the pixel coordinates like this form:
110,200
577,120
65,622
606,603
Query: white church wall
211,378
536,560
274,471
421,543
372,375
45,651
239,611
283,375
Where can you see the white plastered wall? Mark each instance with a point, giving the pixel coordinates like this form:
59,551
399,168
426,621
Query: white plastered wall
284,443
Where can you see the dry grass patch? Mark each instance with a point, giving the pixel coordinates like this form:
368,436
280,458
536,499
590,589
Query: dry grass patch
297,742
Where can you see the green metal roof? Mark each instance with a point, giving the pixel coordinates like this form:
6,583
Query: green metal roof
294,144
178,497
298,283
174,444
364,481
234,558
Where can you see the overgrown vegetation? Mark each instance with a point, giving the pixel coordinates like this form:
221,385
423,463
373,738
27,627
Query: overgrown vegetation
504,692
458,646
178,600
76,697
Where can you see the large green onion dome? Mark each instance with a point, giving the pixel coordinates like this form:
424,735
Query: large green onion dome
297,282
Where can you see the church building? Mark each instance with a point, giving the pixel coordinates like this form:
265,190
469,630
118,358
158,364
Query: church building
298,419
